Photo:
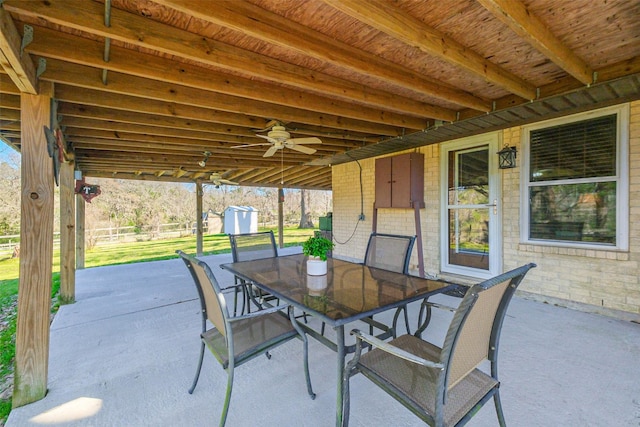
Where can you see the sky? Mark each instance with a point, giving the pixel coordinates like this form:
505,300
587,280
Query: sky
8,154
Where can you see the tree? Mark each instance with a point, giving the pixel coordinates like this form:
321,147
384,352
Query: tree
305,215
9,199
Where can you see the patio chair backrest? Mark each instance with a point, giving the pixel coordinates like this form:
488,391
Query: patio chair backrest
389,252
475,329
250,246
211,300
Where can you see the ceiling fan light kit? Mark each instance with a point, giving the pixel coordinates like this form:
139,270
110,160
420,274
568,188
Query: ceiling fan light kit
203,162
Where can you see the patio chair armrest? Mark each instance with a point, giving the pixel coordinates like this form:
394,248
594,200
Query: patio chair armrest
258,313
440,306
396,351
232,287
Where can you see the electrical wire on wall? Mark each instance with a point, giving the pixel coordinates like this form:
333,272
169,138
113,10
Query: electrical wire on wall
361,216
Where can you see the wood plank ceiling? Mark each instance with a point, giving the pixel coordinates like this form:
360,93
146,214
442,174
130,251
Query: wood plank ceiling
146,88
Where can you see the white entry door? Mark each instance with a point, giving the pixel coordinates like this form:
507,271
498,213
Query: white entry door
471,212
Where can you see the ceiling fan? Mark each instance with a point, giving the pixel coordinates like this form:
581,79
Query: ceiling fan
278,138
217,180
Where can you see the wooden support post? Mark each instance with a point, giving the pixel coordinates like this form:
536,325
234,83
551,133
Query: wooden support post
67,234
199,228
80,227
280,218
36,250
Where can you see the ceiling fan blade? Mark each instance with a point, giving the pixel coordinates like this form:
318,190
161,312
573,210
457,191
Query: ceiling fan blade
226,181
271,151
268,138
302,149
250,145
311,140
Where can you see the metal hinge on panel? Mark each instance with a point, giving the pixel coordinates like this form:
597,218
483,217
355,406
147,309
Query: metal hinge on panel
27,38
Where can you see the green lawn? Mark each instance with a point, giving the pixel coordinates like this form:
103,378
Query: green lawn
120,253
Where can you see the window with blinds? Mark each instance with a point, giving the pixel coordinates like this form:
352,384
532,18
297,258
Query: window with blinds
573,182
584,149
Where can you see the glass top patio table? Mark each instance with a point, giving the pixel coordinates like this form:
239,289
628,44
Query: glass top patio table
348,292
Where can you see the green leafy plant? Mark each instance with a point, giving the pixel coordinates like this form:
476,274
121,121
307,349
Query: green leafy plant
317,246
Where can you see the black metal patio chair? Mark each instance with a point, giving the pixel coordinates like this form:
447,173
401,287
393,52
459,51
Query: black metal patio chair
246,247
236,340
390,252
443,386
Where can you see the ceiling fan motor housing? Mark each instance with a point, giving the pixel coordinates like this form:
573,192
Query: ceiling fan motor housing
279,133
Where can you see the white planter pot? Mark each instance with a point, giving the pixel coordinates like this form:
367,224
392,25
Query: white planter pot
316,267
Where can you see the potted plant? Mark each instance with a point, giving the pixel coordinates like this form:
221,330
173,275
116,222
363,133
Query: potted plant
316,248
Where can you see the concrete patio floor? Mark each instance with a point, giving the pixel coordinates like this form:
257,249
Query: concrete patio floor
125,353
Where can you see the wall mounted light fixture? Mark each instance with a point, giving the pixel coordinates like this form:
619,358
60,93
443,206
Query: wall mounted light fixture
507,157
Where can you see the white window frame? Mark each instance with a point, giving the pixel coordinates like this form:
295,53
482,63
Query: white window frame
621,178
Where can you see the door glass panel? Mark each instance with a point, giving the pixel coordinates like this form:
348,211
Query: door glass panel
469,208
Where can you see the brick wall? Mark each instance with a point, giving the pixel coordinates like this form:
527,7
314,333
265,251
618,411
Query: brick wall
592,280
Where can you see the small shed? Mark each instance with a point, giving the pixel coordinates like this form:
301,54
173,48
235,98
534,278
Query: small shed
240,219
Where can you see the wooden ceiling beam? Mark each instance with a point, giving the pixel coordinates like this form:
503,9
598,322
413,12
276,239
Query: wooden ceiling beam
90,123
89,77
87,143
91,97
9,114
98,96
215,141
410,30
138,163
325,184
75,125
172,146
111,119
289,107
66,47
245,174
516,16
153,161
136,104
10,102
7,86
143,32
71,109
12,127
16,64
270,27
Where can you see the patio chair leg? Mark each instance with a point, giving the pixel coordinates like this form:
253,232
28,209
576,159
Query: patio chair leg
305,347
345,397
227,398
496,400
195,380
